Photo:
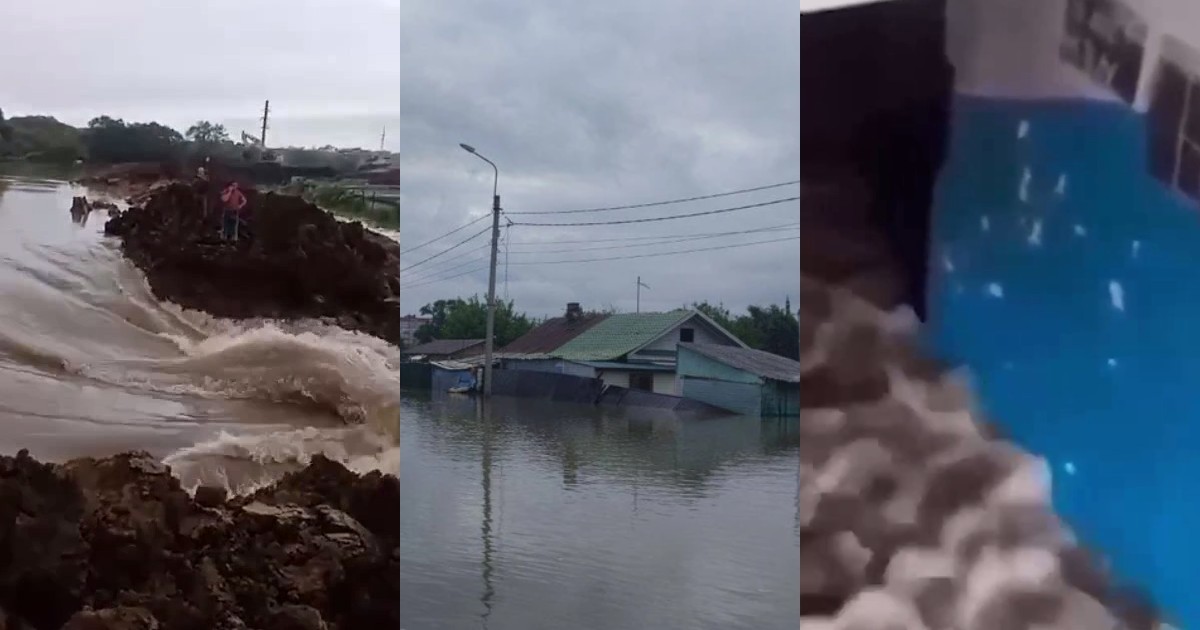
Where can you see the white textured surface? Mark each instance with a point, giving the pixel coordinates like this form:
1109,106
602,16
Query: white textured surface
912,515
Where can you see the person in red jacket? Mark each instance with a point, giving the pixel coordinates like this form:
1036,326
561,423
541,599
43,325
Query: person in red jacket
234,201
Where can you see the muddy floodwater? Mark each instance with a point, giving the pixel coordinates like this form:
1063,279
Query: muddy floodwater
92,364
523,516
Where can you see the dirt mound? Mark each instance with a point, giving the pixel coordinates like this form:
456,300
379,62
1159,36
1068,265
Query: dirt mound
115,543
293,260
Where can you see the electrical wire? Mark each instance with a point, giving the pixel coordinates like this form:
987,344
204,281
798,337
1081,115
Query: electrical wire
435,281
645,238
683,251
482,246
662,203
437,272
434,240
654,243
448,249
666,218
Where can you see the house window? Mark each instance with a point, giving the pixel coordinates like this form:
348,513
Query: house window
1106,40
642,380
687,335
1174,121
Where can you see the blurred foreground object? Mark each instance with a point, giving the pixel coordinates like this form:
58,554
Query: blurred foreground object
913,512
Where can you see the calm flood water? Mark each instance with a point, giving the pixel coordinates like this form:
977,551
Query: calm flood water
530,515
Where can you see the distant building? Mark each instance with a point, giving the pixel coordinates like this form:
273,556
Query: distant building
534,351
409,325
637,350
629,350
444,349
742,380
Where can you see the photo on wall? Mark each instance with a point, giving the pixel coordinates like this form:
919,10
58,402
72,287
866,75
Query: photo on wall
1173,118
1106,40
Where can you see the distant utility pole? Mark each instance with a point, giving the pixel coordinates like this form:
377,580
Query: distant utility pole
266,113
491,296
640,284
381,137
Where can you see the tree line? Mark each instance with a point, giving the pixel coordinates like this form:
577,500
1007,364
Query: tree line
109,140
772,328
769,328
467,319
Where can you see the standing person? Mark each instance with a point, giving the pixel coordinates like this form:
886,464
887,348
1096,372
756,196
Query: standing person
234,201
201,186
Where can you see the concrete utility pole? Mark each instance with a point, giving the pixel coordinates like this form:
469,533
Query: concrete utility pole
266,113
382,136
491,295
640,284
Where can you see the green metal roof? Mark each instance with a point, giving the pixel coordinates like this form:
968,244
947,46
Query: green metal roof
620,334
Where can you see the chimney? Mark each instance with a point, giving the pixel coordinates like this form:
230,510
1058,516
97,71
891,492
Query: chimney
573,311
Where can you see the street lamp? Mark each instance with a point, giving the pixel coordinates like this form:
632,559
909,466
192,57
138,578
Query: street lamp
491,296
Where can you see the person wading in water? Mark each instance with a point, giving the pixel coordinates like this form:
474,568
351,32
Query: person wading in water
234,201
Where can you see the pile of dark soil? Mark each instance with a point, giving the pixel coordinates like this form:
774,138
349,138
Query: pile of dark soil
116,544
292,260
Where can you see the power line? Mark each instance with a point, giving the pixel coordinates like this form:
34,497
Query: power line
653,243
434,272
449,249
436,275
666,218
428,274
436,280
644,238
454,257
662,203
434,240
683,251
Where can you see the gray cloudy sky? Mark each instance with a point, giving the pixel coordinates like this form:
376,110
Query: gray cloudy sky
600,104
331,68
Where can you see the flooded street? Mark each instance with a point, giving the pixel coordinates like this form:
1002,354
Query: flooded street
534,515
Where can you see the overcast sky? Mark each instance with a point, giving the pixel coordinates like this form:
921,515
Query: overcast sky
331,68
600,104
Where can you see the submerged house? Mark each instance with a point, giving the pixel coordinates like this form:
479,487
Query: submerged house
535,350
442,349
638,350
742,380
581,355
447,375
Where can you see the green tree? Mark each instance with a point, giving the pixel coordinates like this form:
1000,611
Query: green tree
467,319
113,140
40,138
205,132
740,326
437,312
717,313
772,328
777,329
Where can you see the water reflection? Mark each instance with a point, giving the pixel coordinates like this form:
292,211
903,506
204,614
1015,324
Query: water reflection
485,413
592,518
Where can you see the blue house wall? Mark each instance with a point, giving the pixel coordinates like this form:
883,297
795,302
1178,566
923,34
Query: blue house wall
706,380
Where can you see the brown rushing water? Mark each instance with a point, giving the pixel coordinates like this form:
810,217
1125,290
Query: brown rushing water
92,364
